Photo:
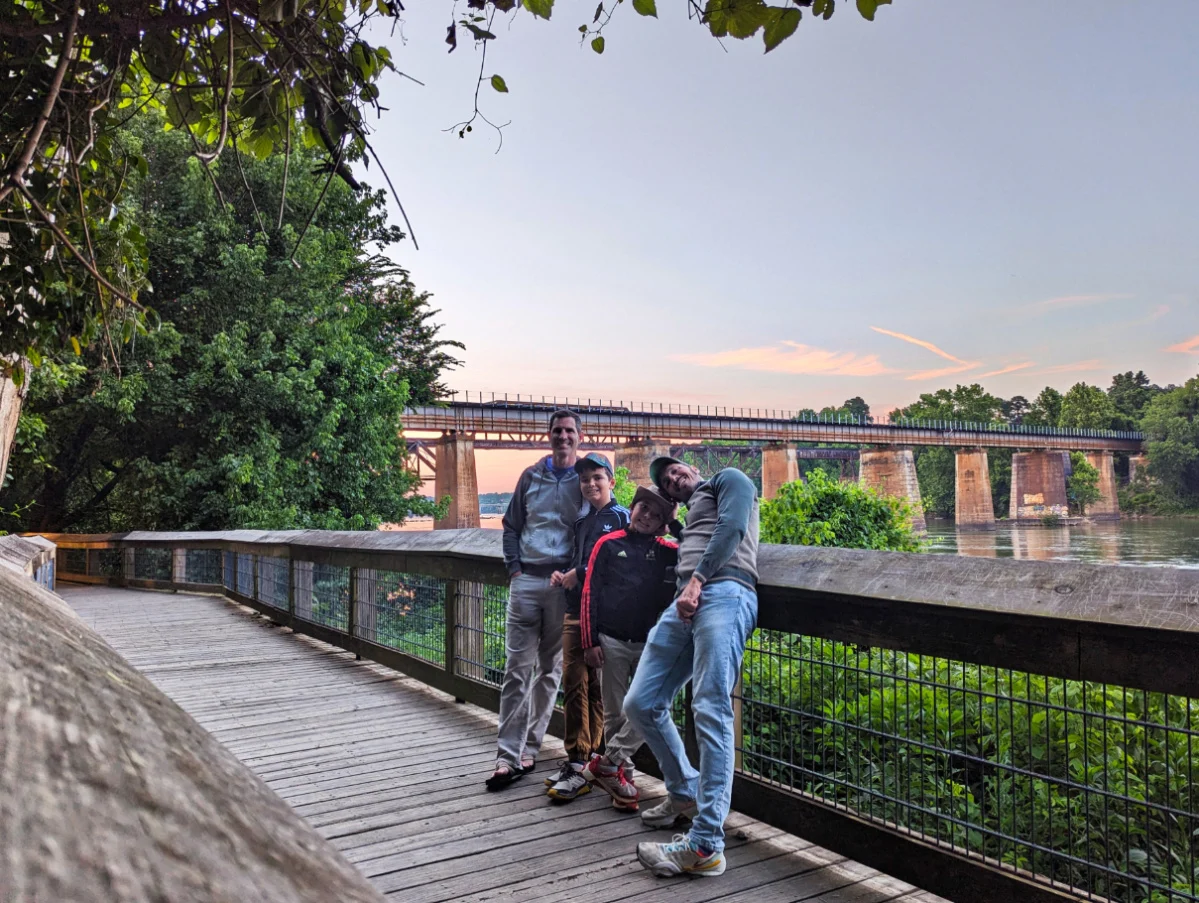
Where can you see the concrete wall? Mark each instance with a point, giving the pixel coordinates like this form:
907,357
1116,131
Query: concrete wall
780,465
456,477
1108,506
973,506
636,456
1038,486
892,471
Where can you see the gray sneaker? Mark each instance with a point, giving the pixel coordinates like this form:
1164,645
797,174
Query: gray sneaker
679,857
669,812
562,774
570,785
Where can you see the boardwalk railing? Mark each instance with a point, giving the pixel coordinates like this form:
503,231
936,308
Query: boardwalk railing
992,730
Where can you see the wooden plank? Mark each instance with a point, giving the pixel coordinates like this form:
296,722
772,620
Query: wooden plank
391,772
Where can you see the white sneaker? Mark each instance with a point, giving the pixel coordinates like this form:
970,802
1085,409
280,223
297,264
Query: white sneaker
571,785
668,813
679,857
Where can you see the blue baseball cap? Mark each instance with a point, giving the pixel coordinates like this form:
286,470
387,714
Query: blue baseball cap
591,460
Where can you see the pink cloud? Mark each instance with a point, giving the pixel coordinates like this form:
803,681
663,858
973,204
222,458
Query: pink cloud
1011,369
1075,301
791,357
1190,346
962,366
1076,367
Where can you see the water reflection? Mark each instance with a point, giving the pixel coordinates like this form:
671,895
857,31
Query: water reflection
1157,541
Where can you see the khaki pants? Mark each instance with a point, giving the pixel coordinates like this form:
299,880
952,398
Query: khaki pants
620,658
583,704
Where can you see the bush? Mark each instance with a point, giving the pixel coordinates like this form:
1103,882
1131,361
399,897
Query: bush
824,512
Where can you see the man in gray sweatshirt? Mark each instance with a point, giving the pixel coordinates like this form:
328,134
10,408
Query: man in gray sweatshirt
700,638
538,540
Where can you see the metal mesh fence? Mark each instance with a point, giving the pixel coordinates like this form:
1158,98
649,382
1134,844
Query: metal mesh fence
1089,785
272,581
402,611
72,561
322,593
152,564
479,631
245,574
227,570
202,566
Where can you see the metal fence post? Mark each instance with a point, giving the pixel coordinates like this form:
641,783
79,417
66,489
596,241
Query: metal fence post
738,732
352,612
451,627
291,584
129,563
179,565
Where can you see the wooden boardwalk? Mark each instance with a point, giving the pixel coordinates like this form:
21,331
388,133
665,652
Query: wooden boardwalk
392,773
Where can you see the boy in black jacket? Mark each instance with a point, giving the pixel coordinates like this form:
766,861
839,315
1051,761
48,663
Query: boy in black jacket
582,703
630,580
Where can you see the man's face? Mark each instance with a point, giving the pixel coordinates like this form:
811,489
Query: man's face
596,486
646,518
679,481
564,435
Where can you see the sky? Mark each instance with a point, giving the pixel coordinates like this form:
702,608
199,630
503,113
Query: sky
1001,193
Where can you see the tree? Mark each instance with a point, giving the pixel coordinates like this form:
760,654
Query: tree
270,396
824,512
1171,427
1087,407
1015,409
1046,408
856,407
1082,488
1130,394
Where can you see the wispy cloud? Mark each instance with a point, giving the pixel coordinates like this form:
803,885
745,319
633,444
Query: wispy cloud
792,357
1075,367
961,365
1066,301
1158,312
1010,369
1190,346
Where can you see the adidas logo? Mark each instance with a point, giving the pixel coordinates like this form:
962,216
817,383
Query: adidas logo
622,554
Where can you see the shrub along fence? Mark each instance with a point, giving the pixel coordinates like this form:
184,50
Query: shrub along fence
987,729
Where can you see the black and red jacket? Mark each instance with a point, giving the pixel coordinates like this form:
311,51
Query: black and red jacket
630,580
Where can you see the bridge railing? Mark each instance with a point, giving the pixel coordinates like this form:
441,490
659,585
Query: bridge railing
987,729
547,404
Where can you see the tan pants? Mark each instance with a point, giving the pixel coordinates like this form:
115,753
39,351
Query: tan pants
582,705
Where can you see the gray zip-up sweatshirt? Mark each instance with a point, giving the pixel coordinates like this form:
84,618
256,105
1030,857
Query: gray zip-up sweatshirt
540,521
720,539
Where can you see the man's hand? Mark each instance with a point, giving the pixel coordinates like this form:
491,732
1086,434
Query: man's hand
688,600
594,657
570,579
556,578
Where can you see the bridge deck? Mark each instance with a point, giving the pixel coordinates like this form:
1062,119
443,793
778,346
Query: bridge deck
391,772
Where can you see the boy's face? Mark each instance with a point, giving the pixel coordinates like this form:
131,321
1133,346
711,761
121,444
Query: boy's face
596,486
646,519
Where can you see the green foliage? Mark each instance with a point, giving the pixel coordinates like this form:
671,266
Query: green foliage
824,512
1046,409
1088,408
1082,487
1130,394
1171,426
271,395
623,489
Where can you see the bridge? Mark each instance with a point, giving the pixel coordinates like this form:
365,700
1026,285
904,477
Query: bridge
640,432
306,715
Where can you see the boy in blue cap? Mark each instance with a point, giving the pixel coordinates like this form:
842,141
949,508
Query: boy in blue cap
583,703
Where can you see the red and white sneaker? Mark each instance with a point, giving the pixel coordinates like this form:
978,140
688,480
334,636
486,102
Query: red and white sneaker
616,781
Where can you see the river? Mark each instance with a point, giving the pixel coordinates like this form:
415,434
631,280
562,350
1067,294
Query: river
1158,541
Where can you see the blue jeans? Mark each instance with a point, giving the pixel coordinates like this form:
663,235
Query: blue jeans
708,652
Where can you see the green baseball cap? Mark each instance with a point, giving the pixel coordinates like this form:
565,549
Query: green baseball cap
593,459
658,465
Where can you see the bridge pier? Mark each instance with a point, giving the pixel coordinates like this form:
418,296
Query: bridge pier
780,465
892,472
1137,464
973,507
457,478
1108,506
1038,486
636,455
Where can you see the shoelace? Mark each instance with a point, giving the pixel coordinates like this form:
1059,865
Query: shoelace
680,843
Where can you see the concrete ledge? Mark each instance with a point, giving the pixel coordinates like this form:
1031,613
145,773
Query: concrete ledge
110,793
